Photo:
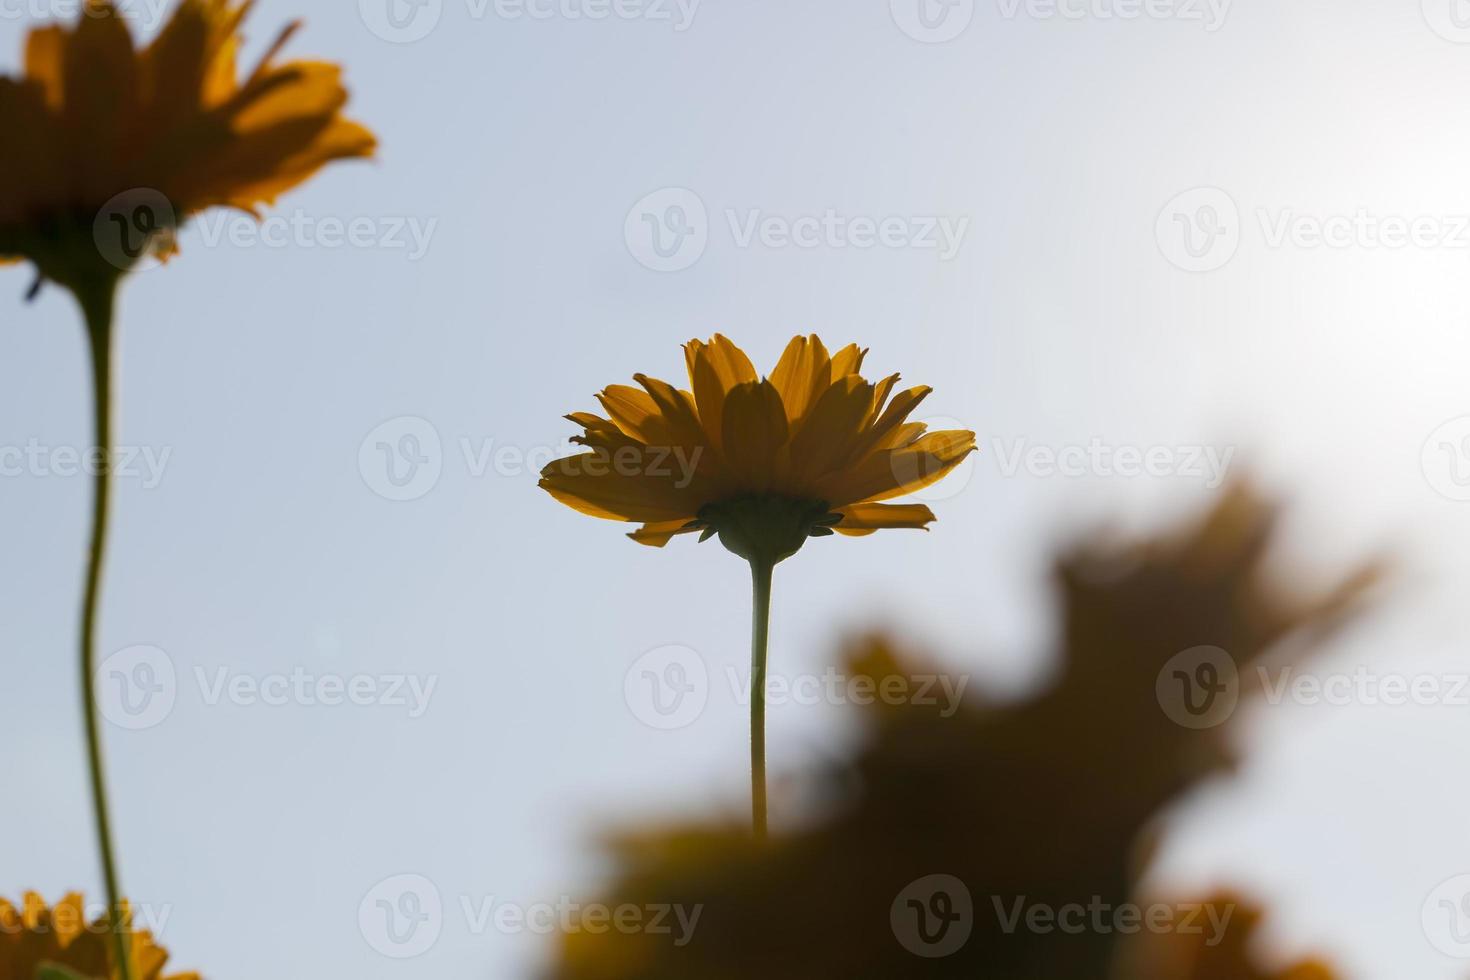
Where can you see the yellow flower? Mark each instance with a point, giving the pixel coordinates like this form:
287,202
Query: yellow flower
93,118
763,462
33,935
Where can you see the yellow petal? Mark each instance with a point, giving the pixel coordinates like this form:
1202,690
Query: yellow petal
30,169
802,374
69,918
191,64
45,51
876,437
755,433
849,360
657,534
881,391
859,519
893,473
635,413
100,99
714,369
828,434
677,409
597,485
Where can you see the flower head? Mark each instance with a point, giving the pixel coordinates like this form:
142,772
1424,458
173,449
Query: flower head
34,935
93,118
763,462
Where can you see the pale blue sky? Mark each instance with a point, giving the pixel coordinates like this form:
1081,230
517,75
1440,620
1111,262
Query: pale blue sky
519,146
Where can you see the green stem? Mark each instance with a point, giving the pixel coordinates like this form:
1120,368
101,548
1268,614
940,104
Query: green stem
97,306
760,628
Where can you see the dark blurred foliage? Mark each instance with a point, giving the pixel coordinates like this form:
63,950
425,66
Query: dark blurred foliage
1191,956
1052,802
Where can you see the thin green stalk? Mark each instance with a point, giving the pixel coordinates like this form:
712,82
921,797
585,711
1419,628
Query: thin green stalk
97,306
760,573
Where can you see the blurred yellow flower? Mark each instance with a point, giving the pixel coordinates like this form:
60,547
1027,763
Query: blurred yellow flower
93,118
34,935
108,149
764,462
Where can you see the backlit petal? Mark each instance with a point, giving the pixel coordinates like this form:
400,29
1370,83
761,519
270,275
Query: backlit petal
658,533
755,434
593,484
859,519
828,434
849,360
893,473
802,374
